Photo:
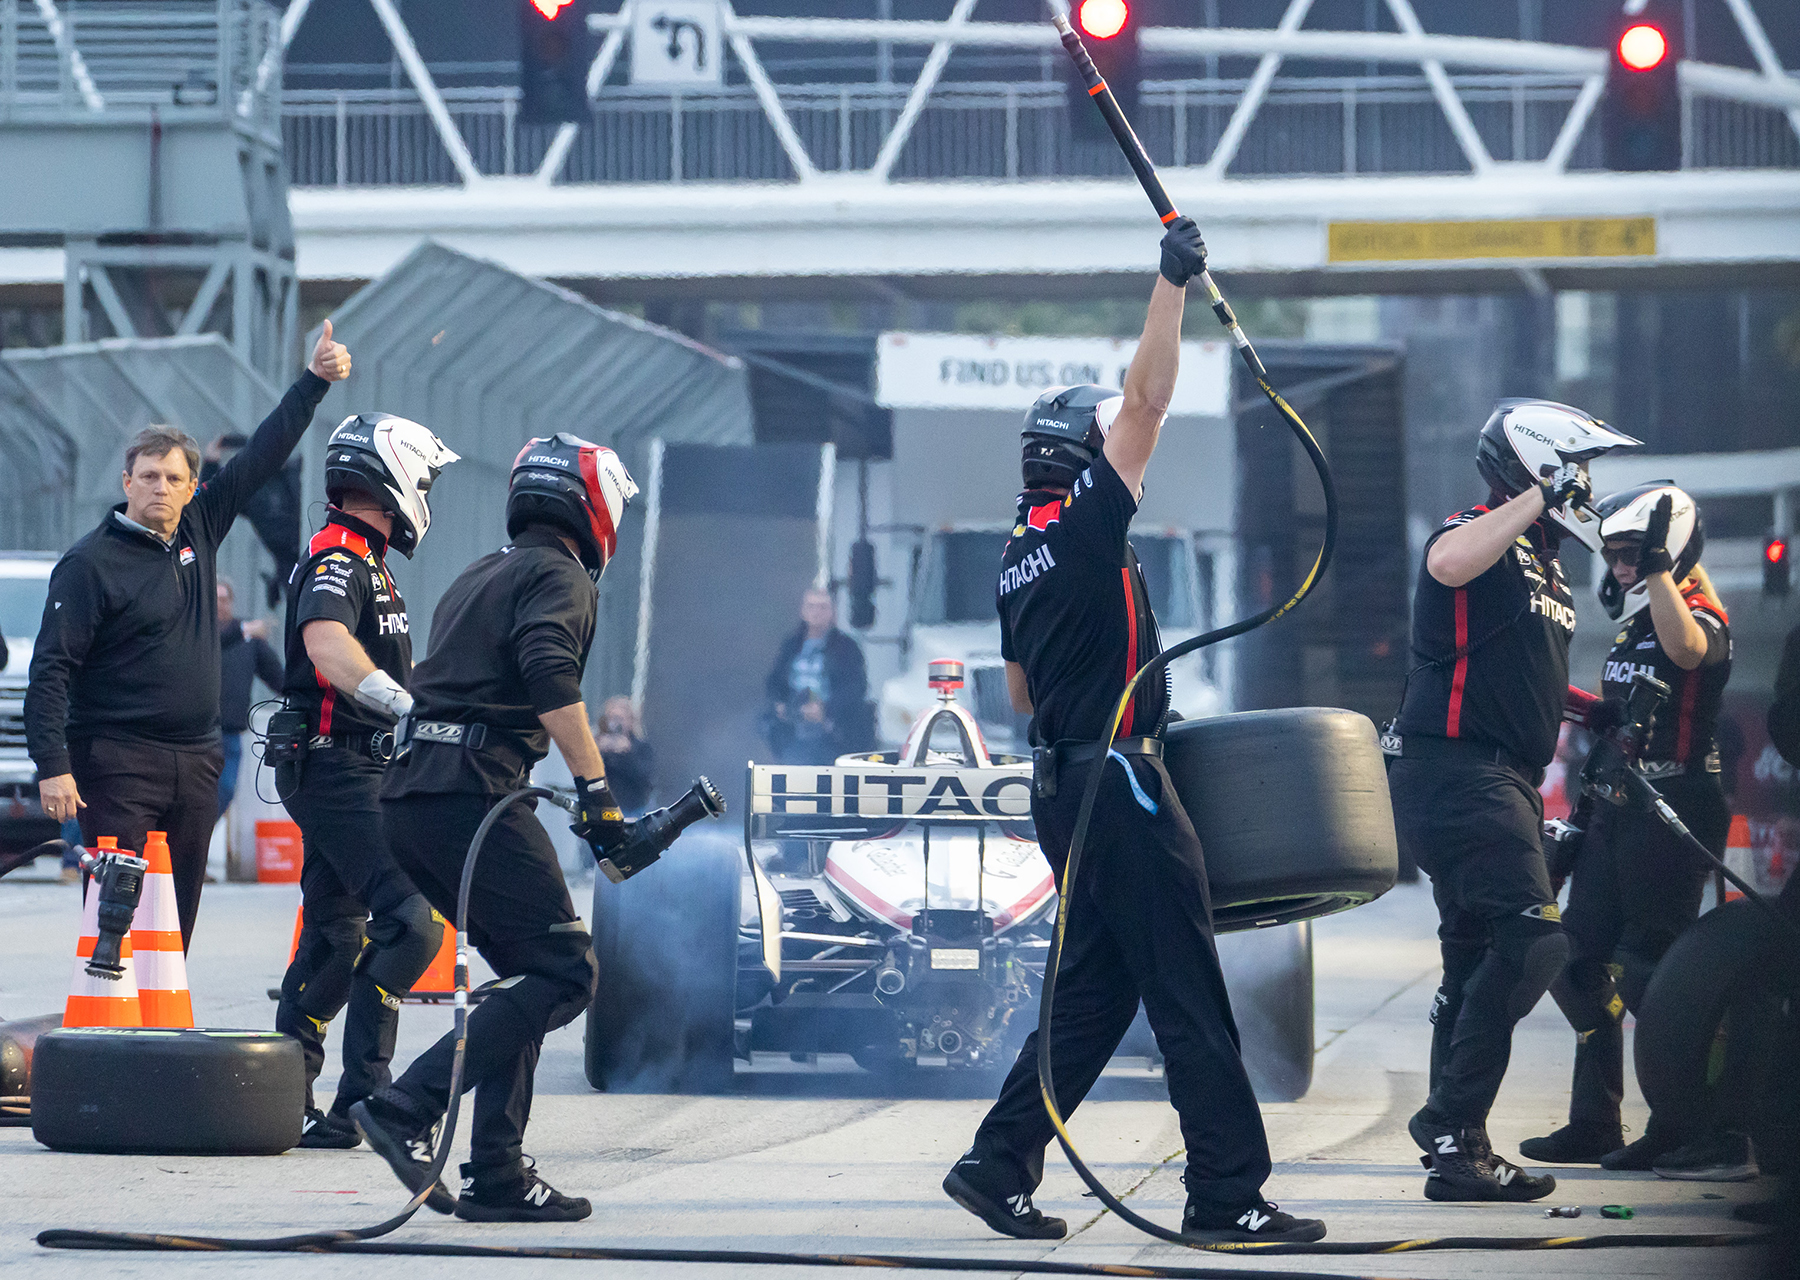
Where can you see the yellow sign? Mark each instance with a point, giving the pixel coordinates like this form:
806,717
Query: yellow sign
1445,241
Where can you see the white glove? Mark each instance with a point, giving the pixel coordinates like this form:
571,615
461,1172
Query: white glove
380,692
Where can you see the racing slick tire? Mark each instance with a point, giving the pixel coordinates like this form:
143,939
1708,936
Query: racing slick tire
663,1017
162,1091
1292,810
1720,966
1269,973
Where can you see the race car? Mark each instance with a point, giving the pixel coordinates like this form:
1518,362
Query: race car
895,906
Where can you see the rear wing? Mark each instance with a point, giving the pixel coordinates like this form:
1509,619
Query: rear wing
867,800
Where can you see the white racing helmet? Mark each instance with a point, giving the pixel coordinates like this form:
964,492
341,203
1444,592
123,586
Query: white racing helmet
393,460
580,487
1626,515
1525,441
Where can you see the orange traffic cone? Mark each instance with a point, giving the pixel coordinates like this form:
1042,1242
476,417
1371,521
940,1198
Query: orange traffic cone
95,1001
439,977
1737,856
156,943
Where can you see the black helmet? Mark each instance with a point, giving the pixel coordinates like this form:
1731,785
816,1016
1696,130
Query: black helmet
1064,431
580,487
393,460
1524,441
1626,515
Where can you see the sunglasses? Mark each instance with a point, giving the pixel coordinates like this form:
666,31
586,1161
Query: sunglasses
1625,554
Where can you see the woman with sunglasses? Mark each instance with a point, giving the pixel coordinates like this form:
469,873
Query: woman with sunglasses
1634,886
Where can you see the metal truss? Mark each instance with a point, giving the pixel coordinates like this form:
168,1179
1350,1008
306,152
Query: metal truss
1771,86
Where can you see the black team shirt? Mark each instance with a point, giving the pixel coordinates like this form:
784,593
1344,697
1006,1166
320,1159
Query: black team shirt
129,646
1074,611
1687,724
509,641
344,578
1491,658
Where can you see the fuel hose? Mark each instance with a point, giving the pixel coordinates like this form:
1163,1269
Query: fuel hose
366,1240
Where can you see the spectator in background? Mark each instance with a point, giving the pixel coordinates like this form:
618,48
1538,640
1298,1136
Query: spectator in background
630,761
818,690
244,652
273,510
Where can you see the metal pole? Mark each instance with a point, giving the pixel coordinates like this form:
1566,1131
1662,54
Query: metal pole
640,658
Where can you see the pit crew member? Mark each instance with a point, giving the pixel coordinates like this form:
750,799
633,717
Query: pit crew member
509,642
1633,886
1492,617
349,657
1075,625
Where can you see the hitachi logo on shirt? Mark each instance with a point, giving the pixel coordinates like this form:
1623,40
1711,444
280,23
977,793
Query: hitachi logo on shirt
1555,610
393,624
1622,672
1027,570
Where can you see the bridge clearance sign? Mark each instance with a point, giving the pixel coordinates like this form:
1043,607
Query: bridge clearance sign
1461,241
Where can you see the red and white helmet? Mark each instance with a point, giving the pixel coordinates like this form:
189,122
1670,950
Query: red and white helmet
580,487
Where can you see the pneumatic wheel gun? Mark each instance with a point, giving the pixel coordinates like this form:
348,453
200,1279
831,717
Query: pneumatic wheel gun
119,880
648,836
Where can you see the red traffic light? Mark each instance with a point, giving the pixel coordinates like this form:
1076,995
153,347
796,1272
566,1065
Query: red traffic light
550,8
1776,551
1643,47
1103,19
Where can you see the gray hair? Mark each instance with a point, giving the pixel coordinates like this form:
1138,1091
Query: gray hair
160,440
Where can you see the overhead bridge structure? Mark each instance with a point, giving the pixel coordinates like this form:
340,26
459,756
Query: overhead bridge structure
1318,160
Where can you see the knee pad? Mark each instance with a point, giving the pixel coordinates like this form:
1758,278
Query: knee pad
557,976
580,978
328,985
404,941
1535,949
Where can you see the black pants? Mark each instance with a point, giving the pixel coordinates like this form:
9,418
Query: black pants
1476,828
1633,889
522,922
348,876
133,788
1140,926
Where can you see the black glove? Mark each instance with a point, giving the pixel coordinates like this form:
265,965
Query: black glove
1567,486
1606,715
599,821
1183,252
1653,556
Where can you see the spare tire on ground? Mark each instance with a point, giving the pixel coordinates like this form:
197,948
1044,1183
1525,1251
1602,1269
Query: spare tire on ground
156,1091
1292,810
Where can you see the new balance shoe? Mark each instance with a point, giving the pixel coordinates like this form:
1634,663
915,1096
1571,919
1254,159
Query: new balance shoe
1258,1222
515,1193
1505,1172
1435,1135
322,1131
988,1194
1573,1144
1463,1176
406,1146
1720,1156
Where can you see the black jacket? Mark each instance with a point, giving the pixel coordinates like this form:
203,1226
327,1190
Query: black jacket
129,645
848,710
509,641
239,660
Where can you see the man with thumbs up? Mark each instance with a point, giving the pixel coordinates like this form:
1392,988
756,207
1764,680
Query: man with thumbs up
122,713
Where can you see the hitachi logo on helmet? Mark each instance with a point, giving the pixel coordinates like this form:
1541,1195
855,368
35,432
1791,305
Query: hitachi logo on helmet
1051,422
545,458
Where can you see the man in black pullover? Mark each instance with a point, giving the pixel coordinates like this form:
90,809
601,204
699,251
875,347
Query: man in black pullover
122,713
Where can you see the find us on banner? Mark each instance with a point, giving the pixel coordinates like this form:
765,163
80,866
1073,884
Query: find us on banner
971,371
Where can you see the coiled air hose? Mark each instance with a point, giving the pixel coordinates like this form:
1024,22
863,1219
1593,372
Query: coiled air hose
365,1239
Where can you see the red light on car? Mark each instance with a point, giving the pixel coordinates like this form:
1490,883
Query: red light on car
550,8
1643,47
1103,19
1776,551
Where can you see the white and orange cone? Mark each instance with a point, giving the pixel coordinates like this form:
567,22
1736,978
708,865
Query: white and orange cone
94,1001
156,943
1738,856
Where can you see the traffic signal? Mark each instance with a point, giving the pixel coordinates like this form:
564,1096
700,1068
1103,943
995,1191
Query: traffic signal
554,53
1109,30
1640,116
1777,565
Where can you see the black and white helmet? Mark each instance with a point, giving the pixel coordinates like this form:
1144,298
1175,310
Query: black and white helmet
1626,516
1525,441
393,460
1064,432
579,487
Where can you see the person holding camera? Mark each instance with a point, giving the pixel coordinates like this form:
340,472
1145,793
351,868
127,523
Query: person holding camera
509,642
1478,723
349,657
1075,626
122,713
1633,885
630,760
